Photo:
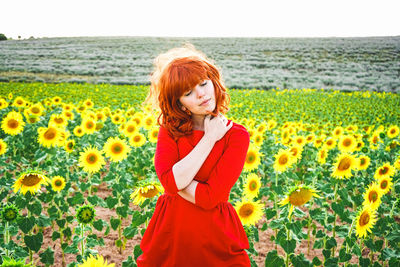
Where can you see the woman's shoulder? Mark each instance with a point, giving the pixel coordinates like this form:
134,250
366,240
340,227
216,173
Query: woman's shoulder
239,131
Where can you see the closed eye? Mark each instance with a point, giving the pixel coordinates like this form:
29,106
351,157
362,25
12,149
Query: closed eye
205,82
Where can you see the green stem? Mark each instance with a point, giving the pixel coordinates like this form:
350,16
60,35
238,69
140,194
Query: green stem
82,240
6,238
335,217
90,184
288,238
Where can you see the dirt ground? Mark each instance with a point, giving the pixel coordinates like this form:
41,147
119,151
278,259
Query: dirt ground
112,254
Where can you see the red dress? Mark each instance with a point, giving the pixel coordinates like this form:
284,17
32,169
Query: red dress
208,233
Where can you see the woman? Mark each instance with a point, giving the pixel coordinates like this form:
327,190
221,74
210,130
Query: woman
199,157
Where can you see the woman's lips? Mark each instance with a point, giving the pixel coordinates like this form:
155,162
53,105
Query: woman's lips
205,102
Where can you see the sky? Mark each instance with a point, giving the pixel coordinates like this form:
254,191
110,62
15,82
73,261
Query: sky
201,18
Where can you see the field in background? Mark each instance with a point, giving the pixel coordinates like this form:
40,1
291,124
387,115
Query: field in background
332,63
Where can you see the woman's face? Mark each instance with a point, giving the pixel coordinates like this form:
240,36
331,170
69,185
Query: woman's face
199,100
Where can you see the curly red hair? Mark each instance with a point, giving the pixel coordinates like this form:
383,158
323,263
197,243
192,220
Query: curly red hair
178,77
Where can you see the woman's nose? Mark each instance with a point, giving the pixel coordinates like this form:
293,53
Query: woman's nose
200,92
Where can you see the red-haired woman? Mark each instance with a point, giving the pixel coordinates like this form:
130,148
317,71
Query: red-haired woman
199,157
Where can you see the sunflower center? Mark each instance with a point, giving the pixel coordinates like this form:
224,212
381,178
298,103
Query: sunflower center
70,145
155,134
383,170
50,134
329,143
392,131
283,160
344,164
294,152
246,210
384,184
300,197
347,142
116,148
373,196
58,183
130,129
12,123
91,158
253,185
31,179
136,138
35,110
150,193
364,218
250,158
59,120
89,125
362,161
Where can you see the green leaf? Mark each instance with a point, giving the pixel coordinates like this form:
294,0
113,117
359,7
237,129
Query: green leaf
55,235
122,211
389,253
34,242
137,251
316,261
115,223
47,257
330,243
343,256
129,262
130,232
270,213
35,208
364,262
26,224
98,225
273,259
288,245
61,223
300,261
111,202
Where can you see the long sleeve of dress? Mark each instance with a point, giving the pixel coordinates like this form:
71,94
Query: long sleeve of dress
165,157
225,173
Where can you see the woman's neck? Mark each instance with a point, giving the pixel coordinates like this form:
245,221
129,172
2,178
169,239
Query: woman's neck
198,122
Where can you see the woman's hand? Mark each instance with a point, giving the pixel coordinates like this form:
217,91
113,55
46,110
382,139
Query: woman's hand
215,127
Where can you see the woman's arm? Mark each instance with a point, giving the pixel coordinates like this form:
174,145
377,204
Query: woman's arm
222,177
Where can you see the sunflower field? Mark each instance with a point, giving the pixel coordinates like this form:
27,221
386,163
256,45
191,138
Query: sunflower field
320,185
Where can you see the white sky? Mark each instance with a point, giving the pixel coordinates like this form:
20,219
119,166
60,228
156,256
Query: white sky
201,18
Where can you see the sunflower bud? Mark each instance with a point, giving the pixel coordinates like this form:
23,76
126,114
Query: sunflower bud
9,213
85,214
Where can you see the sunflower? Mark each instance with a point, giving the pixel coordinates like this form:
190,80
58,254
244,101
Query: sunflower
318,142
258,139
146,189
68,107
298,196
78,131
3,147
138,119
397,163
262,128
372,196
153,135
116,149
310,138
337,132
91,160
69,146
385,184
49,136
252,186
117,119
3,103
149,122
322,155
393,131
19,102
253,158
343,166
299,140
283,160
13,123
36,109
100,115
137,140
88,125
88,103
58,120
30,181
330,143
374,141
347,143
296,151
58,183
385,171
95,262
366,219
363,162
250,212
56,100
